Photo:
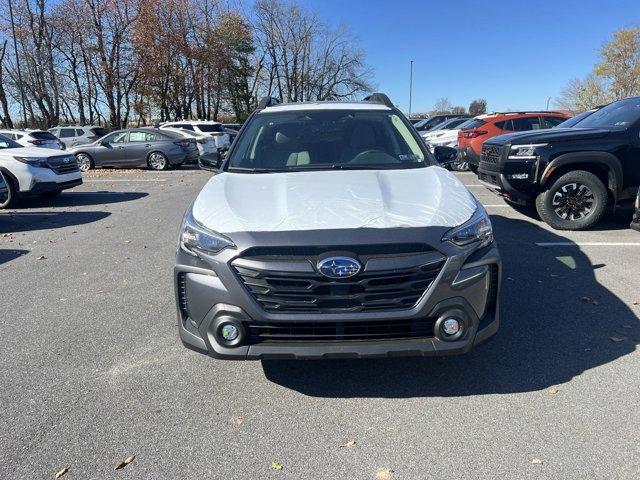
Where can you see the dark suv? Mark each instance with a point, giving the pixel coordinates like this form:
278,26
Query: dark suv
572,175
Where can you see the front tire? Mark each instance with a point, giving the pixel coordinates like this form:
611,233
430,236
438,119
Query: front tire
158,161
8,200
575,201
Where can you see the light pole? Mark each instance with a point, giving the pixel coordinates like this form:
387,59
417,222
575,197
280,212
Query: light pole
410,85
548,100
15,50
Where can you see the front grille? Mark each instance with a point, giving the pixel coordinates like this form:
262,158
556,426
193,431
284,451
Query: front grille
69,168
491,153
279,288
339,331
58,165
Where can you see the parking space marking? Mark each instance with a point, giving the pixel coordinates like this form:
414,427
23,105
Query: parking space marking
588,244
124,180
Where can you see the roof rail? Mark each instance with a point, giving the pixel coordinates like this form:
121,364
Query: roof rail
267,102
380,98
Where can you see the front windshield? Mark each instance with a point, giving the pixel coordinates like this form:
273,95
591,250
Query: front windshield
619,115
324,140
8,143
574,120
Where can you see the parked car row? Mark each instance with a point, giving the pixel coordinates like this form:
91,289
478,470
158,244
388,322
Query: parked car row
573,173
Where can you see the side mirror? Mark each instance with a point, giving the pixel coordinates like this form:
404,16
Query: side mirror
445,155
210,161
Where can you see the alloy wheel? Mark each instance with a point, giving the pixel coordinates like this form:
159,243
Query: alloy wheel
84,162
157,161
573,201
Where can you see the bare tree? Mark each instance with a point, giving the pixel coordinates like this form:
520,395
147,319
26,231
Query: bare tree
584,94
5,119
442,105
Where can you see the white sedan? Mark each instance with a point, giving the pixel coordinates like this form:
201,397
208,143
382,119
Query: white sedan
444,134
33,138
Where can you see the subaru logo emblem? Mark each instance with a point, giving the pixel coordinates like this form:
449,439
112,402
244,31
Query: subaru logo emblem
339,267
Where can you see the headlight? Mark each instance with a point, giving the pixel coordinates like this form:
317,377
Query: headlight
33,161
525,151
195,238
477,229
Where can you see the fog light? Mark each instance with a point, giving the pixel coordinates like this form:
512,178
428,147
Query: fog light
451,326
229,332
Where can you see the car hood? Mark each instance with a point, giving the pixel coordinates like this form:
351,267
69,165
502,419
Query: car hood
33,152
550,135
322,200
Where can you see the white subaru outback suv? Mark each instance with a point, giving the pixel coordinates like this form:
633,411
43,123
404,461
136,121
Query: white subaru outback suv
28,171
328,231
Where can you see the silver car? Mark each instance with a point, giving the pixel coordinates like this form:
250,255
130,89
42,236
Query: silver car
74,135
137,147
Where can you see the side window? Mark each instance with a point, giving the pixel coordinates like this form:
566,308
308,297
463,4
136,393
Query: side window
505,125
524,124
137,136
79,132
151,137
551,122
187,127
67,132
117,137
54,131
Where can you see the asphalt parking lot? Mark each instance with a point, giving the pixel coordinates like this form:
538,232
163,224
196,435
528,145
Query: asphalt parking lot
93,370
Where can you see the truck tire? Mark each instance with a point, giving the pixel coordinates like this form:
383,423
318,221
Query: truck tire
575,201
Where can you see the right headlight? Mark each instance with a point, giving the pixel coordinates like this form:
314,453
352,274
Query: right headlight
477,229
196,238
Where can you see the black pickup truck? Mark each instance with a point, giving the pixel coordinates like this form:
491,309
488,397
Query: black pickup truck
572,175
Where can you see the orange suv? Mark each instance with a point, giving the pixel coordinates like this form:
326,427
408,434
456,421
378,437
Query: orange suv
489,125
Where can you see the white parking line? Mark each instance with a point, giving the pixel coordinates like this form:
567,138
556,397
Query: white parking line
588,244
474,185
124,180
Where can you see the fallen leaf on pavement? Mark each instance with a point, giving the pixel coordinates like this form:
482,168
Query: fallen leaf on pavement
237,420
634,302
41,257
125,462
536,461
618,339
276,465
349,444
383,474
61,472
553,391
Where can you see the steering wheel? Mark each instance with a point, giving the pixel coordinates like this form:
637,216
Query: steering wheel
377,156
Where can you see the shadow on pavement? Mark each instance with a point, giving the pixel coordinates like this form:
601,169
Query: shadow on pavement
6,255
557,321
79,199
28,221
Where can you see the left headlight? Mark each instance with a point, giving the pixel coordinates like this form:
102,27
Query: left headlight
525,151
33,161
477,229
195,238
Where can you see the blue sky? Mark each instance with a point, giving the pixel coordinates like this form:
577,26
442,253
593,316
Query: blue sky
516,54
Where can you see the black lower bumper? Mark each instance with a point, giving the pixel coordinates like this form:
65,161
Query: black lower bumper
497,182
46,187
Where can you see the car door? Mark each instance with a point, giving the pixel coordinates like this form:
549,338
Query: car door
66,136
111,150
140,145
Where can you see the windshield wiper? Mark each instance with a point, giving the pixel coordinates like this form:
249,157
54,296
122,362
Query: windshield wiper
257,170
362,166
